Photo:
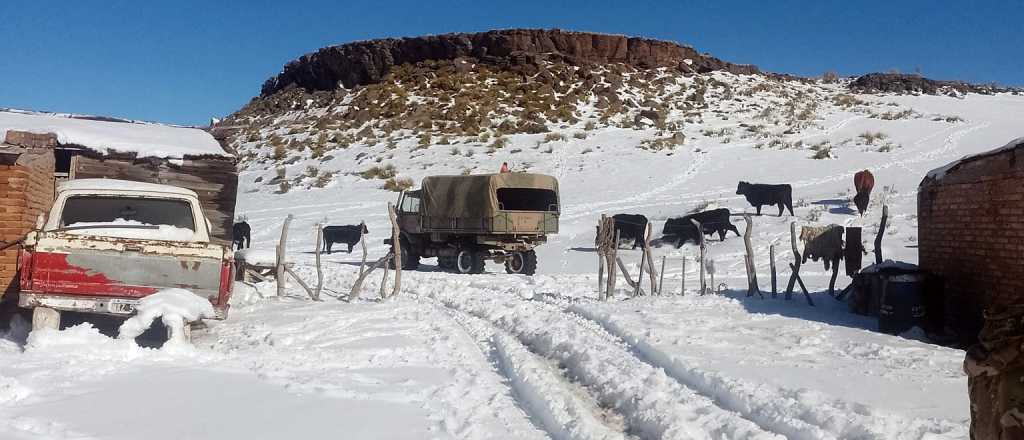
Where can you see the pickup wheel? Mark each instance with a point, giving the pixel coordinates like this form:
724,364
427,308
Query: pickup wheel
469,261
524,263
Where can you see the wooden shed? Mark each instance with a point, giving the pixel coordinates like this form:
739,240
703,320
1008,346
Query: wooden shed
971,233
37,150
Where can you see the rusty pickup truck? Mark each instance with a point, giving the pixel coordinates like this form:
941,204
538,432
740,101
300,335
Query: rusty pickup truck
108,243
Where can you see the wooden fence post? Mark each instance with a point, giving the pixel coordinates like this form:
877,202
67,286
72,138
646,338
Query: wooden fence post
281,256
397,243
640,275
752,286
319,270
796,262
612,257
878,237
362,241
602,249
771,262
650,261
700,240
661,277
682,279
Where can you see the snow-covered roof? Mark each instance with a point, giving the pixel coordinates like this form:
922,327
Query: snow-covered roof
114,185
144,139
940,172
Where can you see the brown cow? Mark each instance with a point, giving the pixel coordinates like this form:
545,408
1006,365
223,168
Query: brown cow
863,182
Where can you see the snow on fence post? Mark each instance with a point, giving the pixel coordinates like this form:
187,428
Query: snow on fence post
878,237
397,243
700,242
319,270
752,286
281,260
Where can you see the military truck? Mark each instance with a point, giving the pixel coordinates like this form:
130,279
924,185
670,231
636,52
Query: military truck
465,221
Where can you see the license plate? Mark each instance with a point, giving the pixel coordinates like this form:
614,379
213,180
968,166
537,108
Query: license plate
120,306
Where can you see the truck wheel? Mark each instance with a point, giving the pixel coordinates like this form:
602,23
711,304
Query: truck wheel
44,317
468,261
410,261
524,263
446,263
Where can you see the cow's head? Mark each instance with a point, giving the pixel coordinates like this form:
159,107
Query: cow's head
742,188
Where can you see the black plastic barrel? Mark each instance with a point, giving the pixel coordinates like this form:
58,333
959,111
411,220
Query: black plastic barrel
902,303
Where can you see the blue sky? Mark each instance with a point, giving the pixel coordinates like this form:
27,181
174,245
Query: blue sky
184,61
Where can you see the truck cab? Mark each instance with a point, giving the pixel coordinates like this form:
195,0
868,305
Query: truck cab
108,243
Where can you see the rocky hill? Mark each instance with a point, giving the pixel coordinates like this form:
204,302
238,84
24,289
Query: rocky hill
353,109
518,50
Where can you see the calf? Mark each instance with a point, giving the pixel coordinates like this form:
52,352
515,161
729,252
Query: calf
759,194
863,182
241,235
681,229
348,234
630,227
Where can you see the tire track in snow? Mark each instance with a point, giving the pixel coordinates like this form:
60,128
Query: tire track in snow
798,414
654,405
550,398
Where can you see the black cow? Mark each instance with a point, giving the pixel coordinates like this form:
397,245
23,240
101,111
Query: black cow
681,229
630,227
759,194
348,234
241,235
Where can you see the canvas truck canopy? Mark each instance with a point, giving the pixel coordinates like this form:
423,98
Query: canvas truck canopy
485,195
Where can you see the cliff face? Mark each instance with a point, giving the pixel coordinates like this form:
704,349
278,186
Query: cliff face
366,62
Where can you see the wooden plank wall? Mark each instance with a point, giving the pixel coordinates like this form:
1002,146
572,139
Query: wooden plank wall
215,180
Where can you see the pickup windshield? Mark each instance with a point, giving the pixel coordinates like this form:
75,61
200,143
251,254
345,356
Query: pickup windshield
135,217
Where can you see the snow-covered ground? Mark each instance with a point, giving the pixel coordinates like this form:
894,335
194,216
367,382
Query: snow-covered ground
503,356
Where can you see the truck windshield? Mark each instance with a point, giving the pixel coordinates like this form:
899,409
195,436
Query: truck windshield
113,211
527,199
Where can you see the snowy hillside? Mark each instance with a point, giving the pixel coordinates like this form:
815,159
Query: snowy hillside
503,356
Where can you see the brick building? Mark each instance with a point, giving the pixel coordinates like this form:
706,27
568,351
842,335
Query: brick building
971,233
26,191
37,150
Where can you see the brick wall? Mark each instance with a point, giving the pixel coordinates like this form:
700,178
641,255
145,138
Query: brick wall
26,190
971,232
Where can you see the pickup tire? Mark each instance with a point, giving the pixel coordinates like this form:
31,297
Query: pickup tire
523,263
469,261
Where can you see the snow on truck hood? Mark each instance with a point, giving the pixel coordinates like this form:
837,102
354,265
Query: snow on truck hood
143,138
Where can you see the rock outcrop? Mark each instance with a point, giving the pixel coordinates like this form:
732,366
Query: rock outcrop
367,62
908,83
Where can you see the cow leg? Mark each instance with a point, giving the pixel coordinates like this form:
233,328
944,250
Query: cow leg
758,209
721,235
781,206
733,229
350,248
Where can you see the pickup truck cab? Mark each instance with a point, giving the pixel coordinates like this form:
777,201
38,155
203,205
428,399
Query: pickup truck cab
108,243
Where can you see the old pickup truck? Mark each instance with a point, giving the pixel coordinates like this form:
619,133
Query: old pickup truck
108,243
